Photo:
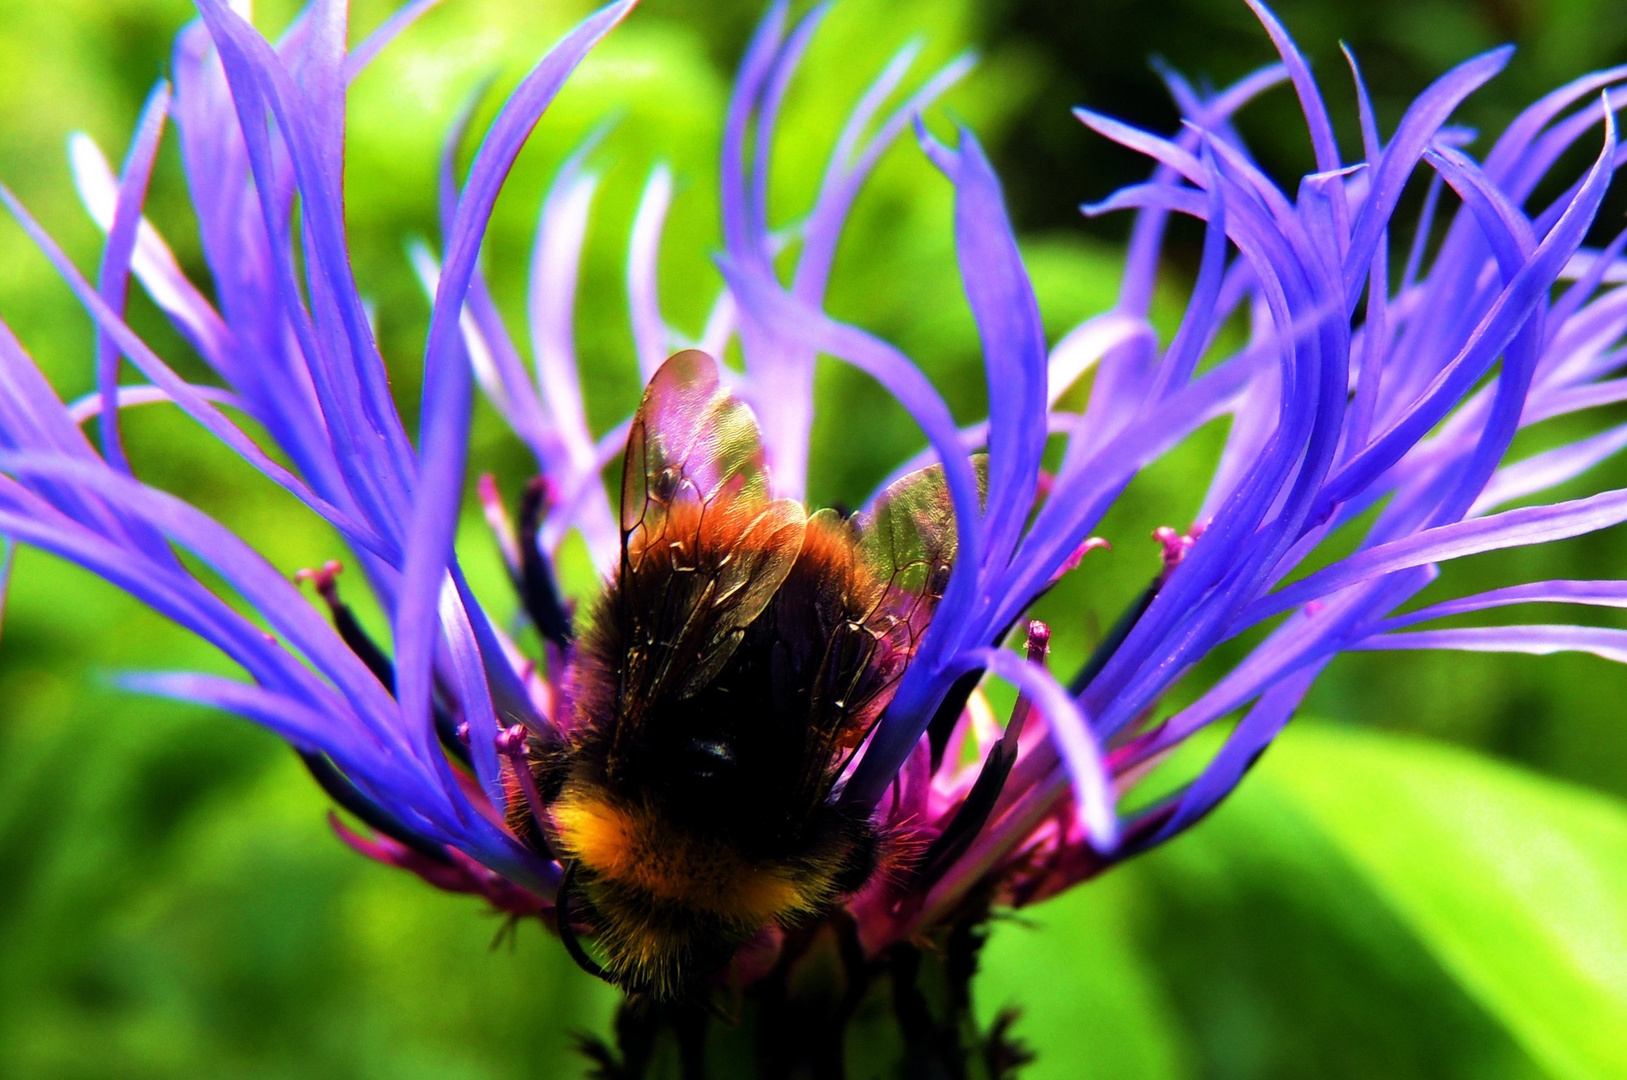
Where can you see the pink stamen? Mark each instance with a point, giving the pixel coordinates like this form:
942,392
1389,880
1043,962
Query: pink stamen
1039,645
1039,639
1177,544
545,490
1071,563
1042,490
541,497
324,579
511,743
497,519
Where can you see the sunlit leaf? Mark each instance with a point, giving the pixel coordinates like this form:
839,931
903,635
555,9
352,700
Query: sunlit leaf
1259,946
1517,884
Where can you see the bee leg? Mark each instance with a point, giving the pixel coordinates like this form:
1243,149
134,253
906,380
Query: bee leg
567,932
910,1004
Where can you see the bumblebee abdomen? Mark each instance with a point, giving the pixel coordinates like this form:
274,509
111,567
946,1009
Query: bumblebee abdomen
668,904
640,850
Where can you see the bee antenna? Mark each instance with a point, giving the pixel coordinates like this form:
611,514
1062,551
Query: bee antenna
567,932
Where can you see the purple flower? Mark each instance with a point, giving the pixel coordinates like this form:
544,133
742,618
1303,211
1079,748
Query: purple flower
1376,398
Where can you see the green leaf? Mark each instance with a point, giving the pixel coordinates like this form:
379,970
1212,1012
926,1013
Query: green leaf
1085,1000
1365,905
1248,949
1516,884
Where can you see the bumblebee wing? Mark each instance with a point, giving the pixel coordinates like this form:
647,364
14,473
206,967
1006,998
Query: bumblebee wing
843,634
690,440
703,547
908,543
908,537
878,584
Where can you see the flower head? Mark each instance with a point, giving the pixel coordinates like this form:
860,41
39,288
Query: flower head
773,715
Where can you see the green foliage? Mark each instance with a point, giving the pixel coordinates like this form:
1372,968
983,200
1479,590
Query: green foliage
1366,905
1516,885
172,904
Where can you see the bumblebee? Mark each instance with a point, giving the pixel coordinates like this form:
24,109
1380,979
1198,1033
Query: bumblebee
734,663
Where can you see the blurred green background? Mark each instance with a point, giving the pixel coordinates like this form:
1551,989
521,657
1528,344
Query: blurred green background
1430,881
